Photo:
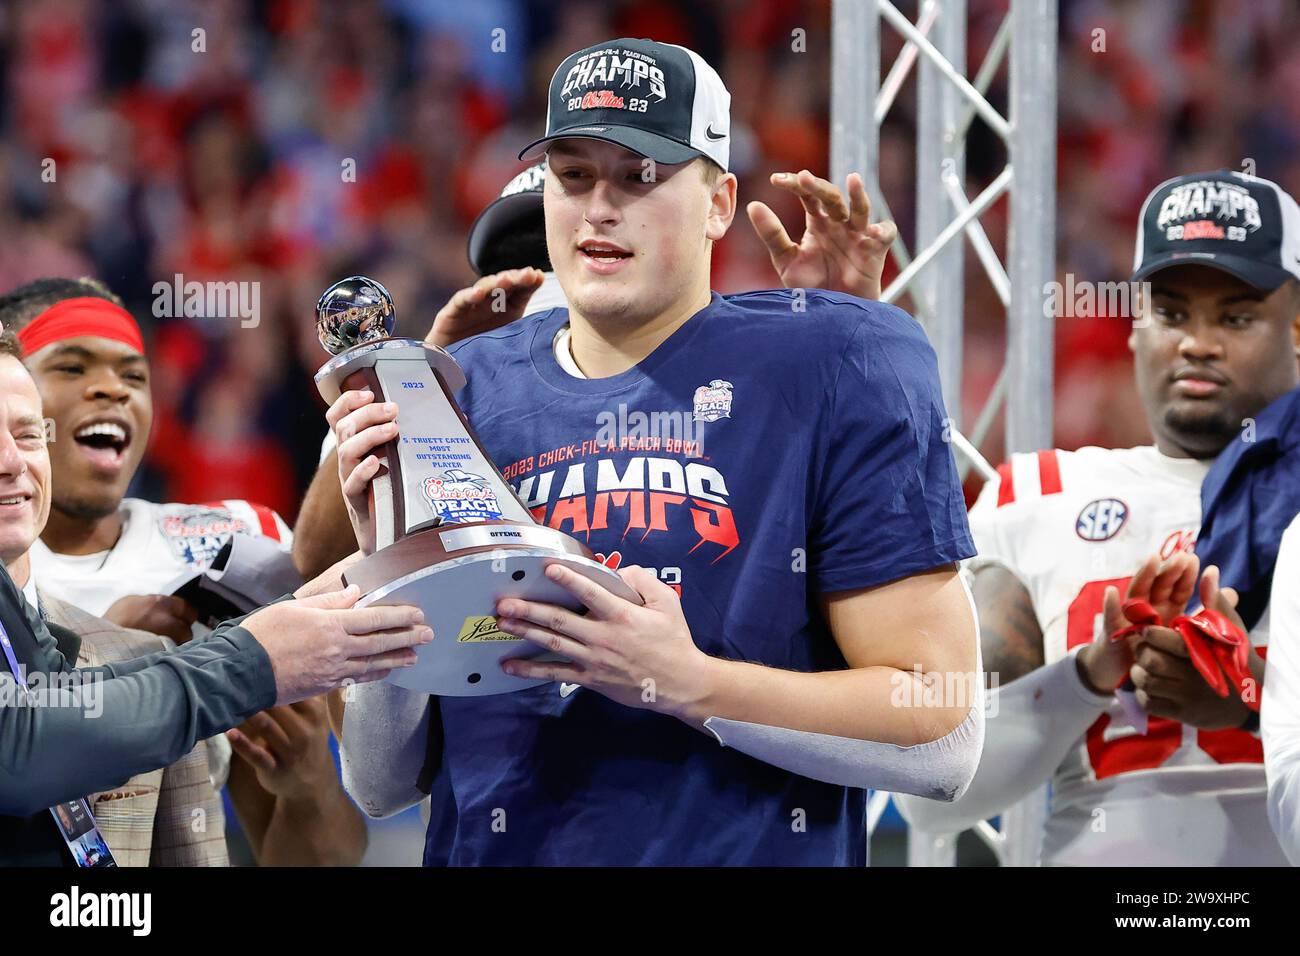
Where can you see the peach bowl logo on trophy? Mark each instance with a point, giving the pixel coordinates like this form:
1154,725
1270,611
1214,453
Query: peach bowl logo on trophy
449,534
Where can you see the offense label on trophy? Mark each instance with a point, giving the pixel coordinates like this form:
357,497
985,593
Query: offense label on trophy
458,538
483,628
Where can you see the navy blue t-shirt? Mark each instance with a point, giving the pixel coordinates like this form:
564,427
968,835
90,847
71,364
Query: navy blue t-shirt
796,451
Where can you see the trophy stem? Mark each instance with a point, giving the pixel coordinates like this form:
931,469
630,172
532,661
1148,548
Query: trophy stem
435,471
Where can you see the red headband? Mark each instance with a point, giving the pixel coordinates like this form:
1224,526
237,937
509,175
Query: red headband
76,317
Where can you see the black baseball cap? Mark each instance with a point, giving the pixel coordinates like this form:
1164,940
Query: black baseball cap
657,99
515,220
1243,225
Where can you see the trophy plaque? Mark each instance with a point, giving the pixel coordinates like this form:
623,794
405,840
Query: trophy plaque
449,533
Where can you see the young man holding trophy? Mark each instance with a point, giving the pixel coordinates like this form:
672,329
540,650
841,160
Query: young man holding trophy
769,477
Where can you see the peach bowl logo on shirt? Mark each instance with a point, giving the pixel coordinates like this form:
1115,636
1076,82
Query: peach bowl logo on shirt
713,401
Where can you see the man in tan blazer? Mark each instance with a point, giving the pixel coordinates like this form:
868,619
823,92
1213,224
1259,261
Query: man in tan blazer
167,817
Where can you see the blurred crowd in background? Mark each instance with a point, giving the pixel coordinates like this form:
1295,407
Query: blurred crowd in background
230,164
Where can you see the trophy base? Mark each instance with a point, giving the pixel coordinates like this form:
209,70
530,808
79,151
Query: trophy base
458,596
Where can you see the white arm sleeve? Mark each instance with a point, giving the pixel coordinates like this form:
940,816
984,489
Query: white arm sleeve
1033,722
384,747
1280,705
940,769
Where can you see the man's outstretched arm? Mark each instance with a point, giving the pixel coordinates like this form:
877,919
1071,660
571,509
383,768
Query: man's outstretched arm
135,716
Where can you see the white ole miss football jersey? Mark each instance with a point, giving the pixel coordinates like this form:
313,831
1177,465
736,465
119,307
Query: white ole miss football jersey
159,543
1068,524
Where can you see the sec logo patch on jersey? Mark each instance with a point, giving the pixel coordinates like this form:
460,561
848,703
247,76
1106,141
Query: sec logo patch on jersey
1101,520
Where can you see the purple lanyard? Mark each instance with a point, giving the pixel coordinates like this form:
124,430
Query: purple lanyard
73,817
9,656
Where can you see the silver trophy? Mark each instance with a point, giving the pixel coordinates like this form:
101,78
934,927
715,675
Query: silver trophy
450,535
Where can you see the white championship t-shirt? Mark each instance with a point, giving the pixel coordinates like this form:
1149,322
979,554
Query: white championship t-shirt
158,544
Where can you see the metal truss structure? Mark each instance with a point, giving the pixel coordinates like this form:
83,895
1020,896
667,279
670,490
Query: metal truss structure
947,103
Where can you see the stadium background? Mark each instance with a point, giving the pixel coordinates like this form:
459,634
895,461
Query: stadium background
226,165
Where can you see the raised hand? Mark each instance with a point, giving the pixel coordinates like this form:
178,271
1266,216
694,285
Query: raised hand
840,249
491,302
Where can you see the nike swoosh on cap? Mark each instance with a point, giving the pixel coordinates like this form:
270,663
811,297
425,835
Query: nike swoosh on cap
709,134
567,689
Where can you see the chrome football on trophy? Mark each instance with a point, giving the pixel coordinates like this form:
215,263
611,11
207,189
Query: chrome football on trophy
450,534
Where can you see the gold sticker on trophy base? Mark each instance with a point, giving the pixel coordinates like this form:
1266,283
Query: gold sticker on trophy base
483,628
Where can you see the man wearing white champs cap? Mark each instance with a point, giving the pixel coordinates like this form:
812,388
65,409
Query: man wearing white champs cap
794,539
658,100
